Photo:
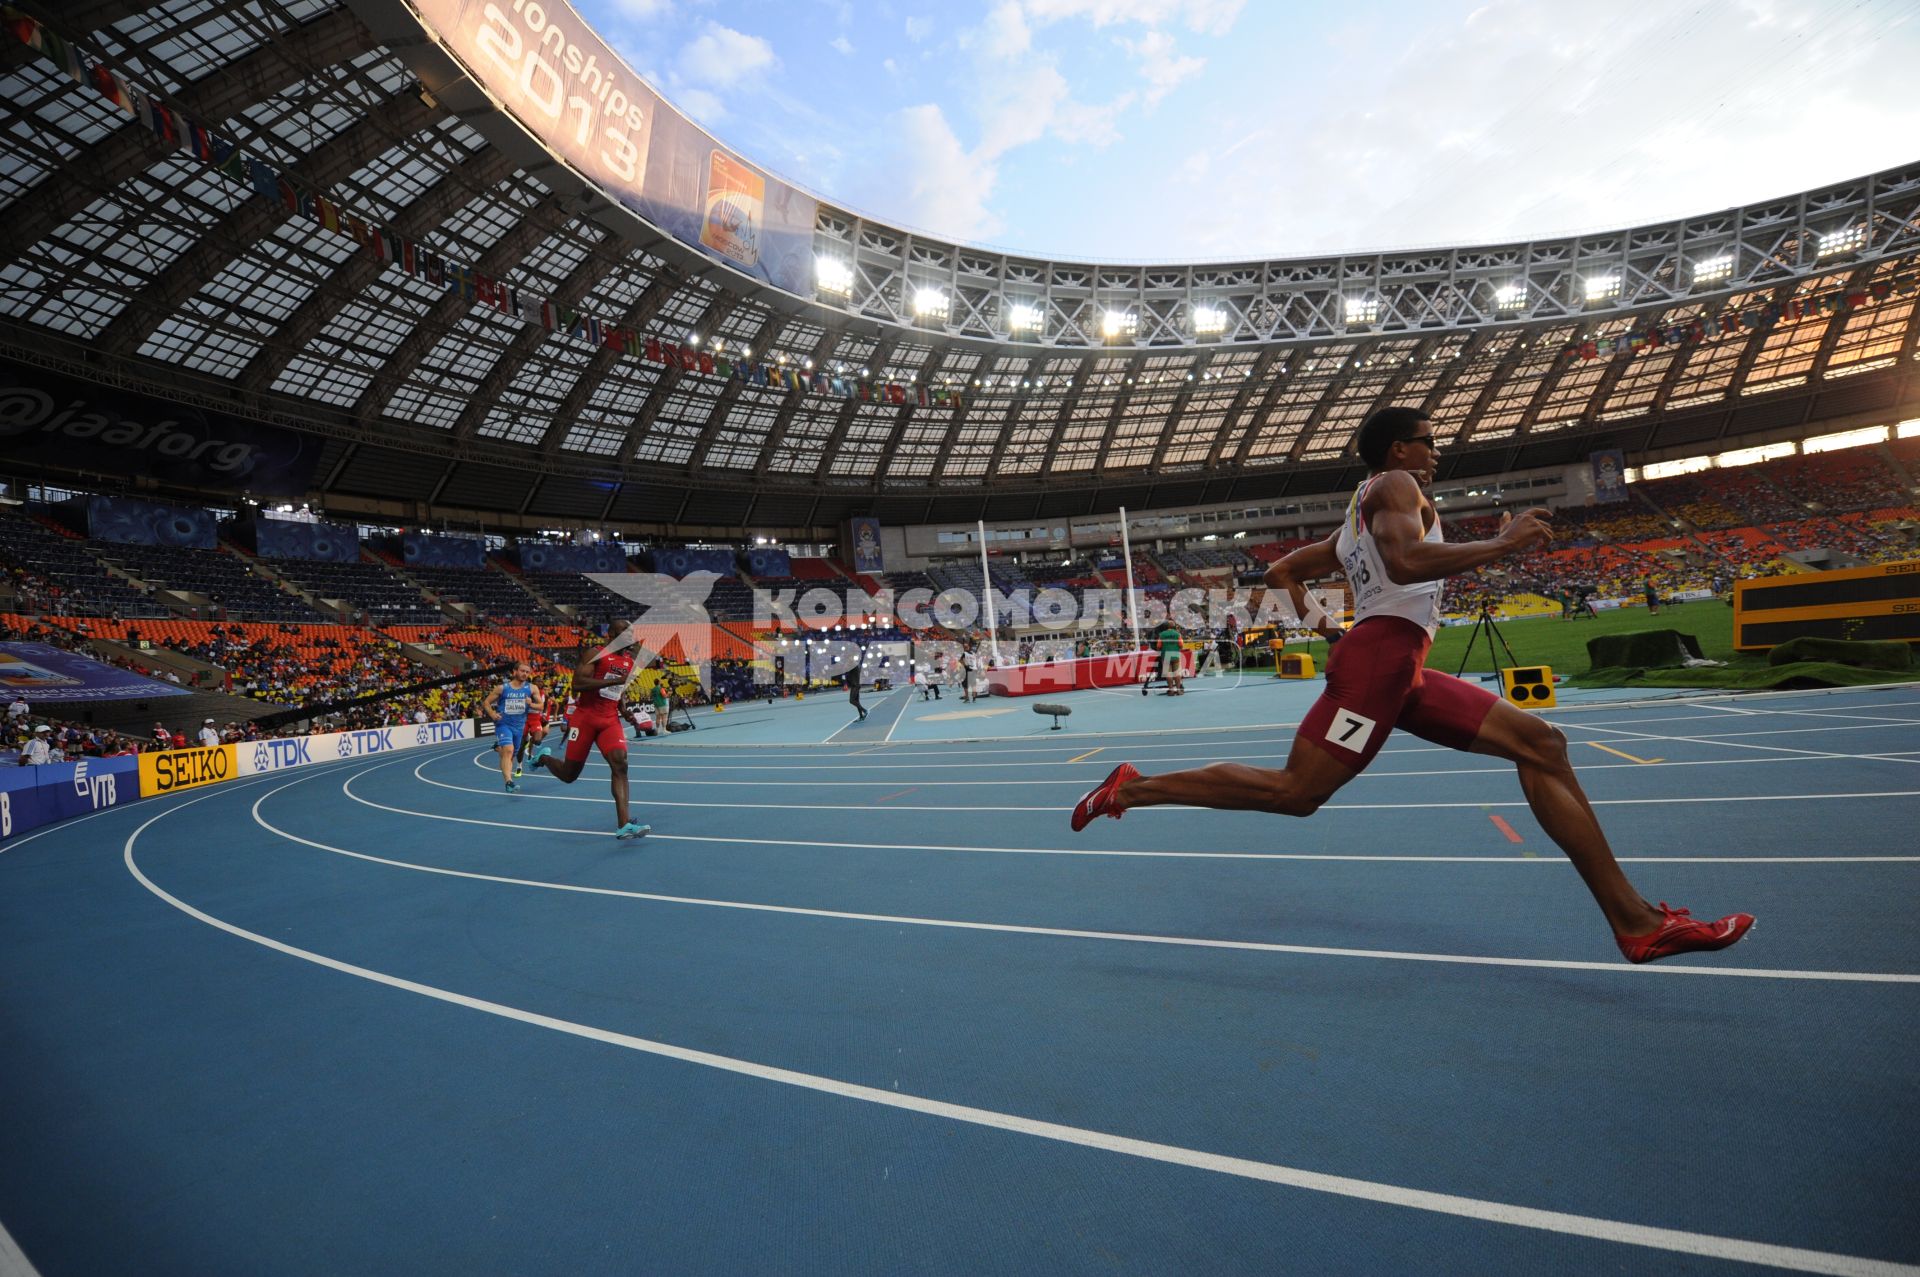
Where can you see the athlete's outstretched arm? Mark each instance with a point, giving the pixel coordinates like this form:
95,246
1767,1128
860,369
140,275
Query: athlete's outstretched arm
1292,572
1392,511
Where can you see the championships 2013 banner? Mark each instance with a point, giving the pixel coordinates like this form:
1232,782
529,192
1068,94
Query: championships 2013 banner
41,673
561,81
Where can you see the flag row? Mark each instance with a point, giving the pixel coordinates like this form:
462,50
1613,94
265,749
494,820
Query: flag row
419,260
1749,319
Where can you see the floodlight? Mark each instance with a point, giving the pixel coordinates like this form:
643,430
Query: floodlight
1025,318
1119,323
1848,239
1209,320
1712,270
833,275
930,303
1602,287
1362,310
1511,296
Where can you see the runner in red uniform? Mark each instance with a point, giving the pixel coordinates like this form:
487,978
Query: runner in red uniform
599,681
1392,553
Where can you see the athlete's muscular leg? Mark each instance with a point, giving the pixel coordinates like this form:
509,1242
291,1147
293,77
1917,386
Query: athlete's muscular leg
617,760
566,769
1310,778
505,754
1546,777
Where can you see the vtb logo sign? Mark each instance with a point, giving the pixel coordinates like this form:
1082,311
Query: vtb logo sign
98,791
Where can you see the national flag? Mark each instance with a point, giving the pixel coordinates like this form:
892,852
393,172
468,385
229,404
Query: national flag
549,316
689,358
920,397
670,353
706,362
22,28
266,182
409,257
723,367
653,350
165,125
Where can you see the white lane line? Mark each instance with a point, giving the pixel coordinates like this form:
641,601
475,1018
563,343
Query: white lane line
1250,946
1092,777
904,758
1668,1239
13,1260
1095,852
1735,740
732,805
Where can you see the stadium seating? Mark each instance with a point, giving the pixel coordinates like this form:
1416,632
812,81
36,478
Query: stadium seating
235,586
365,587
494,595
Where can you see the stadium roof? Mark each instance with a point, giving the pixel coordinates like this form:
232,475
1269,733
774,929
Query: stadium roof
130,258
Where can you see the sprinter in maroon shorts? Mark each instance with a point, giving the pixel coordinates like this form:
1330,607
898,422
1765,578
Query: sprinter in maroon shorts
1390,548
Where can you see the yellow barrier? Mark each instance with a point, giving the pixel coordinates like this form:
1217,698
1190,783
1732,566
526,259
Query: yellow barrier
175,769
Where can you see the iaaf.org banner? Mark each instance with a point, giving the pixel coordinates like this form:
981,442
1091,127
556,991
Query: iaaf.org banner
562,82
72,424
329,747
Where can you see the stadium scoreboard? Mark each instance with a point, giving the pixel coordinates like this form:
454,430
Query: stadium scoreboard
1878,602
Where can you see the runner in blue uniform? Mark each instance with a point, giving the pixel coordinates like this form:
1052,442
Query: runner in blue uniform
508,706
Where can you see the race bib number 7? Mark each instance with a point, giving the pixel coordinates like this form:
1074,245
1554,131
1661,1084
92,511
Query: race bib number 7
1350,730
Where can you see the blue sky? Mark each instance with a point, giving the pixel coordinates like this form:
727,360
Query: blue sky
1216,129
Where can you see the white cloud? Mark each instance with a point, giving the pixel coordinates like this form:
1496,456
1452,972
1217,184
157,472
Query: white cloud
641,10
918,28
842,45
1209,17
708,108
1511,124
1161,64
722,57
1004,35
946,187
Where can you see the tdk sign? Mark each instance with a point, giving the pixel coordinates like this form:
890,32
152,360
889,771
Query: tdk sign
440,733
360,744
272,755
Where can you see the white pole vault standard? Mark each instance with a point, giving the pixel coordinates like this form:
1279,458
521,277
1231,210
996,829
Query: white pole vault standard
986,595
1133,593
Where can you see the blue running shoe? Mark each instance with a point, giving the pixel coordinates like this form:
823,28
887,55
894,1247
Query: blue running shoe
533,759
512,788
632,830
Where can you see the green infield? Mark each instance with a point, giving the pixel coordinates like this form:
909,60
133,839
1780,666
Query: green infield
1563,646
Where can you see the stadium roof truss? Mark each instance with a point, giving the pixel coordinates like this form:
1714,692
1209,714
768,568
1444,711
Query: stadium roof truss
132,263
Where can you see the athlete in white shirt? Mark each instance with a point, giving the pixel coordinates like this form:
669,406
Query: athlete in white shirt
1395,560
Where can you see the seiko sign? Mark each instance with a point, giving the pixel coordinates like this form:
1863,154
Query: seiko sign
165,772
